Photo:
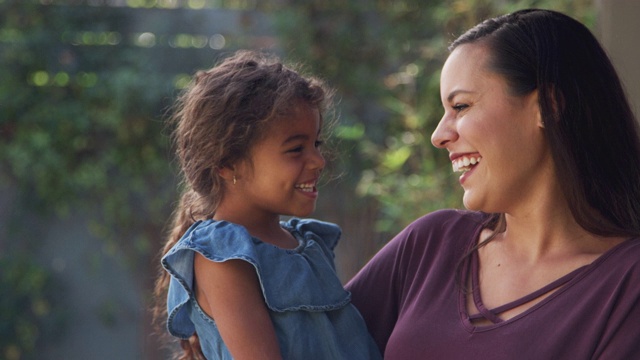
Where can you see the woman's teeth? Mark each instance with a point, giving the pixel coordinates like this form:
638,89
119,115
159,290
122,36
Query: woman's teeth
465,163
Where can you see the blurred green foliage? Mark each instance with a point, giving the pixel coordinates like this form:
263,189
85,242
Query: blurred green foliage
26,307
80,135
384,58
82,125
81,129
77,123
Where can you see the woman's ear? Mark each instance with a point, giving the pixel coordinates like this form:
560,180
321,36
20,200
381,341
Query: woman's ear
557,104
540,120
534,104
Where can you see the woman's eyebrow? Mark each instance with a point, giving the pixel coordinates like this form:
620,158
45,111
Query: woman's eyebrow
456,92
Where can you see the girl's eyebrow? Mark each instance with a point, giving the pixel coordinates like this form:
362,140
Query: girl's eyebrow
295,137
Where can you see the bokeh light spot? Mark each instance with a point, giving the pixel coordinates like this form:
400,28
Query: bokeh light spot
40,78
146,39
196,4
217,42
61,79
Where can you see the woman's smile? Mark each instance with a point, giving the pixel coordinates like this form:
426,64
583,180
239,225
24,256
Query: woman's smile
465,164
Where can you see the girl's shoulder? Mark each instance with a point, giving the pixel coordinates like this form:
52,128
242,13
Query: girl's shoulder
222,240
215,239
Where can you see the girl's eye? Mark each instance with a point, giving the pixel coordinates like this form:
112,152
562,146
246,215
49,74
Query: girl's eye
459,107
300,148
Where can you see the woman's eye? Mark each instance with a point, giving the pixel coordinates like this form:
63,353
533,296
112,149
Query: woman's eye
459,107
319,143
296,149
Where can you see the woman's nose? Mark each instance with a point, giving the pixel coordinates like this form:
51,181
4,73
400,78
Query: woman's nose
444,133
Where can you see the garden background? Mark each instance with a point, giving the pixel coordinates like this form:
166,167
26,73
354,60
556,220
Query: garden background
87,179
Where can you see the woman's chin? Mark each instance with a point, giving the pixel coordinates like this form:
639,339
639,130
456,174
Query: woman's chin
470,203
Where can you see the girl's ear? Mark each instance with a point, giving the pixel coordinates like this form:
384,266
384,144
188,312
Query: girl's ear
228,173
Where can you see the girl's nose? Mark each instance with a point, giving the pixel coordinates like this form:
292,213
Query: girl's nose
317,161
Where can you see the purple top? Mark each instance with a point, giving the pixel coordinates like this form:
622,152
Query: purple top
415,309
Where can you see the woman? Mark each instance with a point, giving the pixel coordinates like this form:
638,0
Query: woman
544,264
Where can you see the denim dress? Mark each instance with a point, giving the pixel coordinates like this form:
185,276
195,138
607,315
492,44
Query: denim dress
311,311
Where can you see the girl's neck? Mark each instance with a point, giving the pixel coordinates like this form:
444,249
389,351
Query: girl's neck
274,235
266,229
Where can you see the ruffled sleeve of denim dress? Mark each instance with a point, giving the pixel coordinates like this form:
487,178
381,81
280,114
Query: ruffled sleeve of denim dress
310,309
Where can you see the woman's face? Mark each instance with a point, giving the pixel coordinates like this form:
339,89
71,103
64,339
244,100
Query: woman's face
494,139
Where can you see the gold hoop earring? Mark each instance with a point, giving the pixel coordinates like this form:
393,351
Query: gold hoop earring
234,179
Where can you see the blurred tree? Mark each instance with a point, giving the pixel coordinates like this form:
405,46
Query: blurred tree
28,308
384,57
76,138
81,106
79,134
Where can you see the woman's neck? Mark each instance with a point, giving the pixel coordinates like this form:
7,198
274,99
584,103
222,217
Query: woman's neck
552,232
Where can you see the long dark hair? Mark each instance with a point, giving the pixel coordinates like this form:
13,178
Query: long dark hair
589,125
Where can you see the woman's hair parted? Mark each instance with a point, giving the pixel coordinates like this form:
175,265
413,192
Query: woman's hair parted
589,125
217,119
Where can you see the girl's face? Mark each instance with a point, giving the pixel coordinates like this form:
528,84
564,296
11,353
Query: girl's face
494,139
282,174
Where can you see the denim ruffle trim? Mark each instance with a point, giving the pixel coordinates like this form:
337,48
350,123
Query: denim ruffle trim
291,279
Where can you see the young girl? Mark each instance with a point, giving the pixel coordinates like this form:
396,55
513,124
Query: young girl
247,285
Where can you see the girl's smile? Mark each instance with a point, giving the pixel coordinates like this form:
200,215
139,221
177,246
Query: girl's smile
281,176
309,188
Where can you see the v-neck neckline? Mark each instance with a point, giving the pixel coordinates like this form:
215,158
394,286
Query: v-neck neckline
493,314
470,272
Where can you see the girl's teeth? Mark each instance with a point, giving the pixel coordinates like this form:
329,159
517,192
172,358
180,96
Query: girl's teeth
305,187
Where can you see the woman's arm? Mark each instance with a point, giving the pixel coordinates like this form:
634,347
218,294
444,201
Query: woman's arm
230,293
374,292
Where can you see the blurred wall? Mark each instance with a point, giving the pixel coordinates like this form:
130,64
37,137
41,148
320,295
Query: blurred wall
103,301
618,29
